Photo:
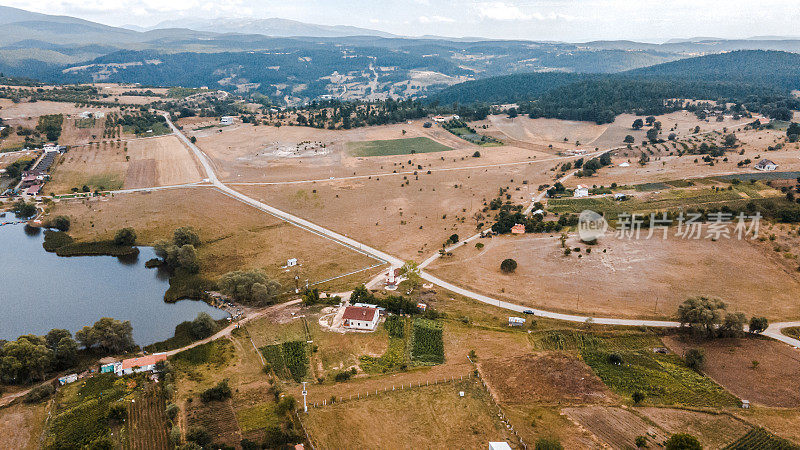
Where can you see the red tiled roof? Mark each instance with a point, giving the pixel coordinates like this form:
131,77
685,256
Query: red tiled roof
359,313
143,360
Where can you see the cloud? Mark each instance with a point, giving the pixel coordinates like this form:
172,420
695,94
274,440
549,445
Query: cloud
501,11
436,19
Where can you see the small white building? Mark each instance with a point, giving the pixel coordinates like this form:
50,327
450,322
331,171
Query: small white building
67,379
226,120
360,318
516,321
765,165
291,262
625,164
581,191
499,446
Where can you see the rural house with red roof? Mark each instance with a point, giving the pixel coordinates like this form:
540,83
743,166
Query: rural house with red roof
360,318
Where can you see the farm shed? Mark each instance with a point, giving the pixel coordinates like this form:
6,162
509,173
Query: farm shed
499,446
581,191
516,321
518,229
67,379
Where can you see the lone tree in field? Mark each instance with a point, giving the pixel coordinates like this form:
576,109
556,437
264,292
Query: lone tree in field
637,124
758,324
682,441
508,265
695,359
652,134
629,139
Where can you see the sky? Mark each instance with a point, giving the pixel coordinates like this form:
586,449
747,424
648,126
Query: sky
556,20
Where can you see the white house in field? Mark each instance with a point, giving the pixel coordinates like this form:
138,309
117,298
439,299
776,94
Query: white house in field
765,165
226,120
360,318
581,191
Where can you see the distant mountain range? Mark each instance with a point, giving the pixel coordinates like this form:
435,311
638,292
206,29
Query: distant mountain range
268,27
283,58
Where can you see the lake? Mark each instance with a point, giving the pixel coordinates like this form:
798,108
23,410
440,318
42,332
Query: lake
40,290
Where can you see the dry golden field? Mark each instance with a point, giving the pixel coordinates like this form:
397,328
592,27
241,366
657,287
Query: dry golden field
627,278
136,163
236,236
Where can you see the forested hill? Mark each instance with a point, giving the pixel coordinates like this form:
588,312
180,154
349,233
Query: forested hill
761,80
779,70
507,88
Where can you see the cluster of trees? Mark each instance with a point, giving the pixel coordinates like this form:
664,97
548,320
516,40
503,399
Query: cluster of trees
23,209
251,287
107,336
591,166
15,169
535,223
50,126
711,317
394,304
139,122
180,252
31,358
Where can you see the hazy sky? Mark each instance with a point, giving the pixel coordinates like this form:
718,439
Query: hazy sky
565,20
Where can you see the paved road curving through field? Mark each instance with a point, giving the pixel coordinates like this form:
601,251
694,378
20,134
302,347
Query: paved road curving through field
774,330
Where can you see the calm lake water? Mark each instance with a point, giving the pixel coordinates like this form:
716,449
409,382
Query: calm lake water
40,290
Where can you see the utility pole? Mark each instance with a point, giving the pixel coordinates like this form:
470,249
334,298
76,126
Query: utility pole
305,404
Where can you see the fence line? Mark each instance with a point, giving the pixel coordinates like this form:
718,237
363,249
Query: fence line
303,426
500,414
400,387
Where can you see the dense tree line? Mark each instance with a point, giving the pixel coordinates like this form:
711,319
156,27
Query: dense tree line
251,287
31,358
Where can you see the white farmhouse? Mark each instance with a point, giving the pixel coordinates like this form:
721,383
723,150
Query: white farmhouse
360,318
581,191
226,120
765,165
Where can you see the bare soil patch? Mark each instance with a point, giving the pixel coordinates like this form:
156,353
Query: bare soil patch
217,418
730,363
21,425
551,377
618,427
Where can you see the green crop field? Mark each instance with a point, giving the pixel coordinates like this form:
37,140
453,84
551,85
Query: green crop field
663,378
761,439
288,360
396,355
395,147
80,415
427,343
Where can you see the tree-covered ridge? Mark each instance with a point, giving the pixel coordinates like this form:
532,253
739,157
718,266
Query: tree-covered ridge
759,80
774,69
507,88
